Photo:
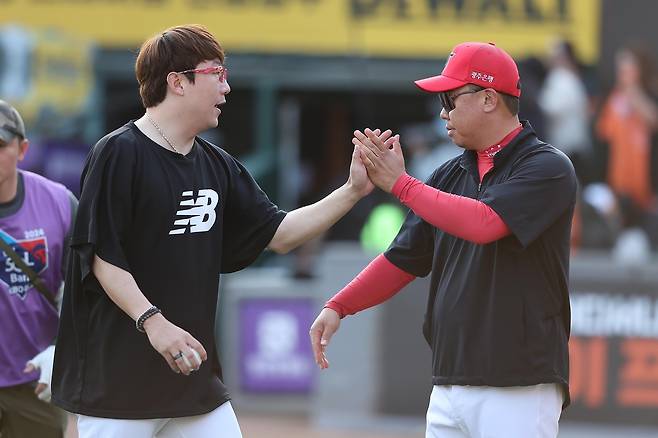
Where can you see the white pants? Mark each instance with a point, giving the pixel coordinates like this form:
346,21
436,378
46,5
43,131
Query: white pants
220,423
492,412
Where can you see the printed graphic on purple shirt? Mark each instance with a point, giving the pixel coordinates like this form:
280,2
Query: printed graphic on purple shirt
33,252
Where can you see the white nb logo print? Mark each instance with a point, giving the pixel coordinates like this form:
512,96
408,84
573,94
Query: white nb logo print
200,216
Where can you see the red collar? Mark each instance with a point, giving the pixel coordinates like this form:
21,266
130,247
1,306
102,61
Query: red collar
494,149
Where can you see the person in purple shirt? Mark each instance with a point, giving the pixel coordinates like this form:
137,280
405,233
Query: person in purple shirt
36,216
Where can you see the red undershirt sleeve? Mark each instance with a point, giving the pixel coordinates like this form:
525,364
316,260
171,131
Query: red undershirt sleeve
378,282
464,217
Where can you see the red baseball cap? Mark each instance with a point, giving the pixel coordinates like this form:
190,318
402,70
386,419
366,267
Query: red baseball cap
481,64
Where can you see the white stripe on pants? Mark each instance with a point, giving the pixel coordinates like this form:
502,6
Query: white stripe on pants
494,412
220,423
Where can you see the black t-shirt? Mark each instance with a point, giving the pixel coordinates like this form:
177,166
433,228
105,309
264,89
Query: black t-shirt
498,314
174,222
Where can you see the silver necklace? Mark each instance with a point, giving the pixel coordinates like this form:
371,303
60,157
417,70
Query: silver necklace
155,125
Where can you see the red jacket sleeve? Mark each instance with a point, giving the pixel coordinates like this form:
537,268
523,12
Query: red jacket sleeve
378,282
464,217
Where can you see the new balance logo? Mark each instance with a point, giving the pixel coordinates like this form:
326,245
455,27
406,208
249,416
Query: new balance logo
200,216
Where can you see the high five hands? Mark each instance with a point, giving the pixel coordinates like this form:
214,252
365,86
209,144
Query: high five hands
381,154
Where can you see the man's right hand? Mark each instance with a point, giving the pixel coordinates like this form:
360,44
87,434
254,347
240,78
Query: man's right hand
323,328
170,340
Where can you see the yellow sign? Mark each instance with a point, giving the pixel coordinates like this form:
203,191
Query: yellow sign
46,70
397,28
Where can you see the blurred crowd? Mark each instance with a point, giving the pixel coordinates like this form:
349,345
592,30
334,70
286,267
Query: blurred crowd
608,132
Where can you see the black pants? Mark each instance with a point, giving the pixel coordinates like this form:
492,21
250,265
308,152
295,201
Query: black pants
23,415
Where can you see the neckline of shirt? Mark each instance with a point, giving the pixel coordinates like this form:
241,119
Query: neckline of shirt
11,207
190,155
492,150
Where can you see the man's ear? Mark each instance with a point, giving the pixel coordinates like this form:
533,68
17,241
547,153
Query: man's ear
23,146
175,83
491,100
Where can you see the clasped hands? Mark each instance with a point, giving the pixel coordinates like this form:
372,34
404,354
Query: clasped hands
381,155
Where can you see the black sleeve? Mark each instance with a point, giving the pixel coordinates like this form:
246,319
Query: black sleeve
539,190
67,239
413,247
105,208
250,220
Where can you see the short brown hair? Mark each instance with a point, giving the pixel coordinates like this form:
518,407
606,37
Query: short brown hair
175,49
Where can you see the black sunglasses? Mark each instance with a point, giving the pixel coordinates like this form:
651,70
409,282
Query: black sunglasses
448,101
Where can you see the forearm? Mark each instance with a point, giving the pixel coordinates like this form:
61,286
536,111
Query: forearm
121,287
378,282
464,217
307,222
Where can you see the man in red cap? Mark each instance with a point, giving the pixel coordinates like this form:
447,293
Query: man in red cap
492,226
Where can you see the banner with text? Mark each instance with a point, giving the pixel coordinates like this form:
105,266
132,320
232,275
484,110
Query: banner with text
614,356
389,28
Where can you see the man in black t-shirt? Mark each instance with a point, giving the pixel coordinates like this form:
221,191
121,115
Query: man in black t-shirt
492,226
162,214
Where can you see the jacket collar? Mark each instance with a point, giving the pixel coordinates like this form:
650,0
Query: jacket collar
468,160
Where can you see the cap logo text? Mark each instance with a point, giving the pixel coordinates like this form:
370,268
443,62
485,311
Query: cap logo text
482,76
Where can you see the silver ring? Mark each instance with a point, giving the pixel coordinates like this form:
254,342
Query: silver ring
178,356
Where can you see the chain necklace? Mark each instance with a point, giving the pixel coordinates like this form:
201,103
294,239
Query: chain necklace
155,125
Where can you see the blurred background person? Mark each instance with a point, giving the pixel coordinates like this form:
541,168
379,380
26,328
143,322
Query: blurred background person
533,71
564,102
627,123
36,215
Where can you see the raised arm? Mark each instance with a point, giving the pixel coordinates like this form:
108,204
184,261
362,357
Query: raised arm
307,222
464,217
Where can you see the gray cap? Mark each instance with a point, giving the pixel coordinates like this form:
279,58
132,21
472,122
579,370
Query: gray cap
11,123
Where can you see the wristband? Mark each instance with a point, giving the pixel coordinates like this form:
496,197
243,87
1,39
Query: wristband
139,324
